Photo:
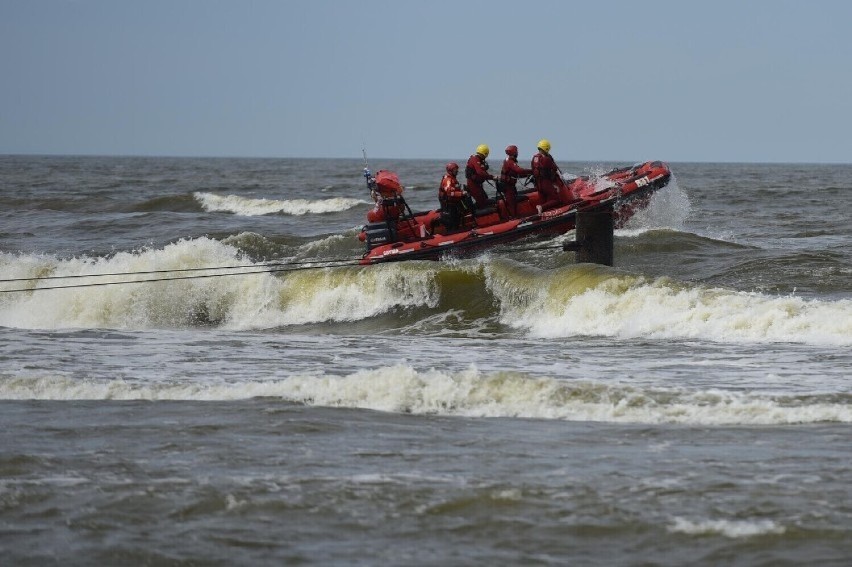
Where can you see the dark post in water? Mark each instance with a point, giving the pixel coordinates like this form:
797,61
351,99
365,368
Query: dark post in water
595,240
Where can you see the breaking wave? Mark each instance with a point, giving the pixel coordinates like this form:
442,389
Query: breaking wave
244,301
468,393
727,528
586,300
254,207
566,301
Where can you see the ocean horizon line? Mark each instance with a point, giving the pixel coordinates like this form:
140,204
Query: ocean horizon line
386,158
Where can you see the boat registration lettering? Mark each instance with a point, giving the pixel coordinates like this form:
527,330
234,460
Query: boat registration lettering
396,251
642,181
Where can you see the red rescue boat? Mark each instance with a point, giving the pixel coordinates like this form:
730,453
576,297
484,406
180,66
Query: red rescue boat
395,233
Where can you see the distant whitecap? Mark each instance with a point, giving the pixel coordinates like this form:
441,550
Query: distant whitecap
246,207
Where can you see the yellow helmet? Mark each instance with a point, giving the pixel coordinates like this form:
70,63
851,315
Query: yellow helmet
544,145
483,150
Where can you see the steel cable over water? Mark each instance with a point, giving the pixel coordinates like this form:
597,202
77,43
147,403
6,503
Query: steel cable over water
268,268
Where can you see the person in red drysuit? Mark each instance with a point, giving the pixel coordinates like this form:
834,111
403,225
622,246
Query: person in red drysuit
476,173
386,191
548,181
452,198
509,175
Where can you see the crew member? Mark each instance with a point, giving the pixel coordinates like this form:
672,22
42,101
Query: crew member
509,175
546,175
452,198
476,173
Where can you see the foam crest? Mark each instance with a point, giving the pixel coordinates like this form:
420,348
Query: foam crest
314,248
259,300
470,393
727,528
244,206
593,301
160,304
316,296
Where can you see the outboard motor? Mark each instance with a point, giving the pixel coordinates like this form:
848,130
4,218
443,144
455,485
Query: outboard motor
378,233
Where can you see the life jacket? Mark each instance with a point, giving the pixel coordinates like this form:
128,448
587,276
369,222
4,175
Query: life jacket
508,177
390,205
387,209
470,171
544,167
449,191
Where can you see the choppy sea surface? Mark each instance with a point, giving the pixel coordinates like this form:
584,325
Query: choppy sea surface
691,405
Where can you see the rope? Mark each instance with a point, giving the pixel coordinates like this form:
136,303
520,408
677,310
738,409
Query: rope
534,248
264,268
149,272
349,262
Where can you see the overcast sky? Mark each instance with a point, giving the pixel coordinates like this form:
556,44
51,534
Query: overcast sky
741,81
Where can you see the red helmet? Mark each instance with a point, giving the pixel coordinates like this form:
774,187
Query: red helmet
452,168
512,151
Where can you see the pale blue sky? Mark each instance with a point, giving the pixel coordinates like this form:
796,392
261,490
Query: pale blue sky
765,81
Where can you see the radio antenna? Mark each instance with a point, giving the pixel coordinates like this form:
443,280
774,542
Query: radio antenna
371,183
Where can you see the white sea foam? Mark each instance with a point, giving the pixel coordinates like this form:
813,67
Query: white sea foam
260,300
470,393
147,305
550,304
631,306
727,528
244,206
324,244
336,295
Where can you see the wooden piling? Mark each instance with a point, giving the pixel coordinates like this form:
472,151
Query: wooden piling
595,237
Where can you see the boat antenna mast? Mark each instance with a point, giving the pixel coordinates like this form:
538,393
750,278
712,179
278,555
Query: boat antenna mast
368,176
